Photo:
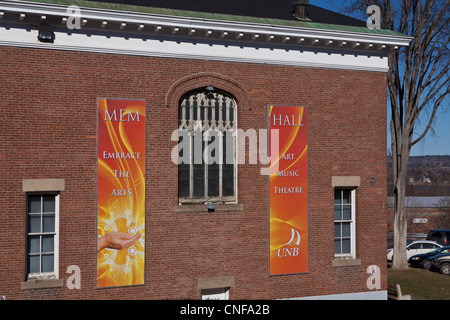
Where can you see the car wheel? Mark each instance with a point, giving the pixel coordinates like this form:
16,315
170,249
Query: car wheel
425,264
445,269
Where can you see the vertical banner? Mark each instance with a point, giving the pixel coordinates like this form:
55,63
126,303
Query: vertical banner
288,190
120,192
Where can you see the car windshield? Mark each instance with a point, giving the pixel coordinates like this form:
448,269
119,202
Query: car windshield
435,251
443,249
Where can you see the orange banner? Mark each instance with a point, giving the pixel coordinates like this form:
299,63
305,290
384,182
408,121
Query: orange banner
288,193
121,192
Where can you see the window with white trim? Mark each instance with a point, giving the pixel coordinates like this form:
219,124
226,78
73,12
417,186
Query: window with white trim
207,147
344,223
216,294
42,236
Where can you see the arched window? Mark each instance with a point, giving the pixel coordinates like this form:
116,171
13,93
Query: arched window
207,146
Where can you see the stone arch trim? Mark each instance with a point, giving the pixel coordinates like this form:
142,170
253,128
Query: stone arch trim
204,79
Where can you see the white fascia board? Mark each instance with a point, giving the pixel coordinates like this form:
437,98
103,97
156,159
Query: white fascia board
204,24
302,57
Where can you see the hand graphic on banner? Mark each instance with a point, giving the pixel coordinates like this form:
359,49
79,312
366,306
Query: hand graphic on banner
116,240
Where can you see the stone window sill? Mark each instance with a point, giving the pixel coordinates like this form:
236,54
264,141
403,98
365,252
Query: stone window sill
346,262
42,284
204,208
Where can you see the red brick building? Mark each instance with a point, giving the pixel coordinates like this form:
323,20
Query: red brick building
423,213
57,62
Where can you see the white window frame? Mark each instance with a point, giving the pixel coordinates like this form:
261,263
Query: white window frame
216,294
55,273
352,253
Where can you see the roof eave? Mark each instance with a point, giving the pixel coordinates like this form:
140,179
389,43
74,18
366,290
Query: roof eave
263,30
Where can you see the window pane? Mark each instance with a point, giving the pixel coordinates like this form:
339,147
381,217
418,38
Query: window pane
199,180
183,180
228,148
183,167
212,152
213,180
47,263
337,246
216,108
49,223
228,165
34,223
337,213
184,147
224,109
33,264
232,112
34,204
199,168
208,110
345,196
212,147
188,109
34,244
436,235
345,246
346,212
195,108
48,244
346,230
49,203
337,230
337,196
228,180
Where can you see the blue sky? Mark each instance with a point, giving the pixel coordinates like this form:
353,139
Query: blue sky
434,143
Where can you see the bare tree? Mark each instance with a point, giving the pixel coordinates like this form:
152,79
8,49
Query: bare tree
418,84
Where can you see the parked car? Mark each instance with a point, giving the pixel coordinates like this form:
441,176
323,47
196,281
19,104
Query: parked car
442,262
423,260
416,247
441,236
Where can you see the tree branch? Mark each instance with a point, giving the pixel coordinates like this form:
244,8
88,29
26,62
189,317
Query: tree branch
430,122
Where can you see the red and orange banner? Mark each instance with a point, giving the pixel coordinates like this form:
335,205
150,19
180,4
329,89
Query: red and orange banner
288,193
121,192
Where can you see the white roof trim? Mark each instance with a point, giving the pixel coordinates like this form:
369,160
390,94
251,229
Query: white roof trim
262,32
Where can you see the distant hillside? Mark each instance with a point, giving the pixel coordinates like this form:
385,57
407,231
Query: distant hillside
426,176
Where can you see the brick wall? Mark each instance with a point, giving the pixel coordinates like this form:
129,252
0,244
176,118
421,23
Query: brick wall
434,219
48,119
